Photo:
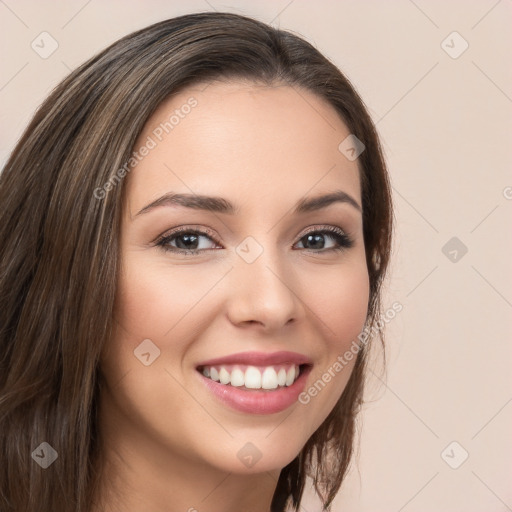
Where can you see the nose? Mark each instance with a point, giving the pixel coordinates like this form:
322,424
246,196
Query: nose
264,292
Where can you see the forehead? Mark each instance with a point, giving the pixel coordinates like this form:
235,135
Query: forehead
249,142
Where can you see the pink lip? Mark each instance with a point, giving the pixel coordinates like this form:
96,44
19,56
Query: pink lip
258,401
259,359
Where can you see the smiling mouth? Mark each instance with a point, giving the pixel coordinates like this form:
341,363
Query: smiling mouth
253,378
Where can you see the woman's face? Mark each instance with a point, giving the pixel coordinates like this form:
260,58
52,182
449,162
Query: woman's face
266,286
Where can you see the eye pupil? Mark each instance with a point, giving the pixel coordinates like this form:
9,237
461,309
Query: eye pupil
188,239
316,238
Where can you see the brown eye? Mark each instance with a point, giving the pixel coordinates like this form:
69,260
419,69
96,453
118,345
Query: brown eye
315,240
188,241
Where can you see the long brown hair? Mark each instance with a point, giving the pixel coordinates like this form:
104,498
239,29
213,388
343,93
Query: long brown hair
59,247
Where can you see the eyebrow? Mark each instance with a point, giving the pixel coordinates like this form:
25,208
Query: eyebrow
221,205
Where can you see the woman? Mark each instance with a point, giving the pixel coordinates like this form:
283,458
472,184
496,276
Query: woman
195,227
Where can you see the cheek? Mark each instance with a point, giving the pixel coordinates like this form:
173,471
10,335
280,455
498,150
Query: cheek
162,305
341,313
154,300
340,301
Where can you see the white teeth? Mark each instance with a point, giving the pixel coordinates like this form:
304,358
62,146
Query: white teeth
237,377
269,379
253,377
290,376
224,376
281,377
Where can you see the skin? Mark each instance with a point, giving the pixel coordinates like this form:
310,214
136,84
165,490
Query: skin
170,444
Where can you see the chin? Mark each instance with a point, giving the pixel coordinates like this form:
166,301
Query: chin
256,455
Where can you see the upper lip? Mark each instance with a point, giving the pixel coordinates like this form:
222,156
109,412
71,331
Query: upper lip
259,359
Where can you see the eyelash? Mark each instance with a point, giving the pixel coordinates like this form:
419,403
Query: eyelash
344,240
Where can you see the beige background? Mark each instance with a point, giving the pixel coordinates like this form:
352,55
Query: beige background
445,124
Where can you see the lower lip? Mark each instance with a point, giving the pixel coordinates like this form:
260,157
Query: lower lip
258,401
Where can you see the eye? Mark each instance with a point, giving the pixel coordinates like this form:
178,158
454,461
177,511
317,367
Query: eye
317,237
186,240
